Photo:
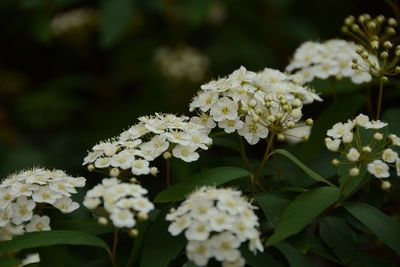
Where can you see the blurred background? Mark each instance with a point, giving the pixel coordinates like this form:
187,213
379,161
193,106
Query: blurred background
75,72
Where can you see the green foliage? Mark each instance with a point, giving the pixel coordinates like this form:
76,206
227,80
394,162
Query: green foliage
49,238
216,176
302,211
384,227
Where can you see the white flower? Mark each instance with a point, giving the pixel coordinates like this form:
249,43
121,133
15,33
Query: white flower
332,145
30,258
22,210
362,120
122,218
66,205
122,201
140,167
353,154
339,129
379,169
397,165
253,131
199,252
102,162
389,155
186,153
38,223
224,109
209,219
46,194
230,126
225,246
297,134
394,139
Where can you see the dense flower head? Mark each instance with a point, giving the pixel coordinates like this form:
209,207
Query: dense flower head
182,63
20,194
215,223
123,202
365,143
332,58
142,143
253,104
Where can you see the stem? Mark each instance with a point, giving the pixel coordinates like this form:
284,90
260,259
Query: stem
378,112
335,97
369,103
114,249
168,172
266,156
244,155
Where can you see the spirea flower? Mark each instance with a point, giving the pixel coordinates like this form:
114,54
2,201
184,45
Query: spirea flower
254,104
20,194
215,223
123,202
182,63
364,144
135,148
332,58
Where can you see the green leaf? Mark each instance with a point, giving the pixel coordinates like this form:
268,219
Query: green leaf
137,248
316,246
160,247
339,237
302,211
49,238
272,206
87,226
53,256
301,165
216,176
384,227
9,262
350,184
260,259
115,17
293,256
365,260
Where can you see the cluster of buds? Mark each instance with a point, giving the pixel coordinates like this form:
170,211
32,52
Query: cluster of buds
364,144
375,36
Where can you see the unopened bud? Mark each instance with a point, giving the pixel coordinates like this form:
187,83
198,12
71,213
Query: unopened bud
397,69
142,216
102,220
375,45
133,232
354,172
335,162
90,167
384,79
154,171
167,155
280,137
133,180
388,45
309,121
390,31
380,18
367,149
355,28
384,55
271,118
392,22
290,124
371,25
349,20
378,136
114,172
386,185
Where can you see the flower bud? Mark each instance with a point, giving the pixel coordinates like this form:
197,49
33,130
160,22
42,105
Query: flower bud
114,172
280,137
133,232
354,172
367,149
167,155
133,180
154,171
309,121
102,220
142,216
386,185
392,22
335,162
90,167
388,45
384,55
378,136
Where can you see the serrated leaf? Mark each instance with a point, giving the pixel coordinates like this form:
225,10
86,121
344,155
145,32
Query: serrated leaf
216,176
49,238
302,211
384,227
339,237
301,165
272,206
160,247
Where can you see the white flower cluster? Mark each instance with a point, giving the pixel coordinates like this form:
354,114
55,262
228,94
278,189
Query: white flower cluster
20,193
361,143
72,20
216,222
332,58
147,140
123,202
183,63
253,104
